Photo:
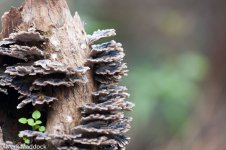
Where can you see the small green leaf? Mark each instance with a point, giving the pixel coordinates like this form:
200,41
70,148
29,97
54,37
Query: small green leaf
42,129
36,114
27,141
36,127
20,135
31,122
23,120
38,122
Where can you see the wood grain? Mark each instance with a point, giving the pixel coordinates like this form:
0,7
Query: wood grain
67,42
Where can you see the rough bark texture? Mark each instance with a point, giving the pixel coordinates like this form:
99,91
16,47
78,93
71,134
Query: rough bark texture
46,57
67,43
1,136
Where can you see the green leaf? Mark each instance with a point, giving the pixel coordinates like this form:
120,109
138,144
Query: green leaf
36,114
36,127
20,135
31,122
42,129
27,141
38,122
23,120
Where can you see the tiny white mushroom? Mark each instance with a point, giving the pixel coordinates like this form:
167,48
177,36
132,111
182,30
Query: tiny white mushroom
69,119
83,46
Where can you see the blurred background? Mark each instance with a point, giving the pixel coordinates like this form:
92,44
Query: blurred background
176,53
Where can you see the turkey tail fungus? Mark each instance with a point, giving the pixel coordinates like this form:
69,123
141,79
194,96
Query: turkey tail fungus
49,63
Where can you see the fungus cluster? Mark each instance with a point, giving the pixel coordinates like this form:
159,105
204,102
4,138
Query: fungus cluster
104,121
29,69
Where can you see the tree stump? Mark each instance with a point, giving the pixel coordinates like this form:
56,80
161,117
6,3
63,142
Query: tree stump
67,43
1,138
47,57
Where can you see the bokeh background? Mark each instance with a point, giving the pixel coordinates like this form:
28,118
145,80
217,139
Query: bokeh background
176,53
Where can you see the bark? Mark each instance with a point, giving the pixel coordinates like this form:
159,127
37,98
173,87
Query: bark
47,53
67,43
1,140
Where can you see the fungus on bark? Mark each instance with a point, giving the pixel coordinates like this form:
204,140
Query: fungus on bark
36,99
47,59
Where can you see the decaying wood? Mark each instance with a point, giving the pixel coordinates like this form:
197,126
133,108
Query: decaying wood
1,136
67,43
47,58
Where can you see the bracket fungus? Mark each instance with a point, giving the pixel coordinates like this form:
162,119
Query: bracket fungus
102,123
36,77
35,100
